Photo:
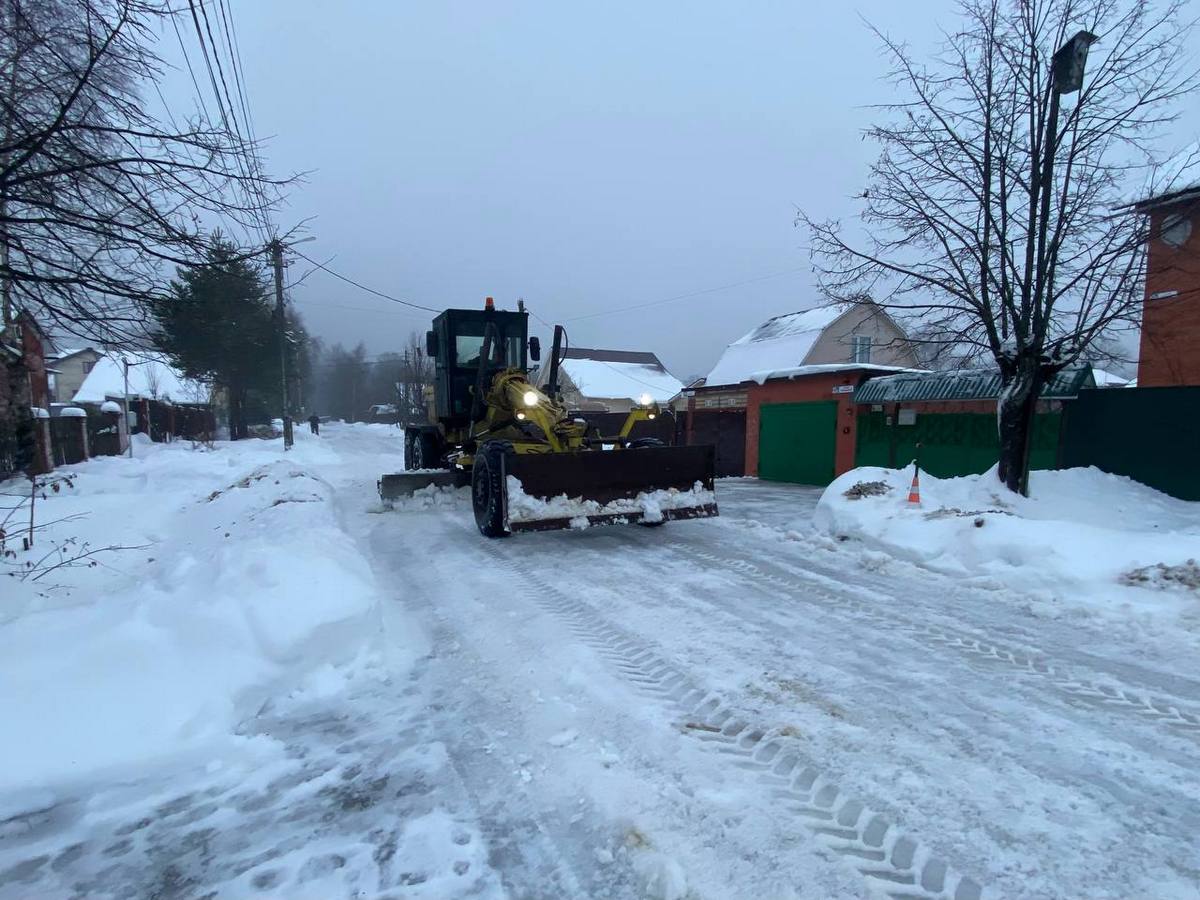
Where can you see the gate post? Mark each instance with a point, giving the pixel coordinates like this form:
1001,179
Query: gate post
79,416
43,461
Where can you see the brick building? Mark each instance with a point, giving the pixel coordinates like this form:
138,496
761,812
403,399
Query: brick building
1170,346
24,397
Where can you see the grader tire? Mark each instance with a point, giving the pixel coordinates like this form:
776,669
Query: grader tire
488,488
426,449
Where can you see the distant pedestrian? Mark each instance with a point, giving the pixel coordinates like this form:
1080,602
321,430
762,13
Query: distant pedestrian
314,423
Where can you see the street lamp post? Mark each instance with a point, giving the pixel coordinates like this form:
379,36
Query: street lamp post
1066,77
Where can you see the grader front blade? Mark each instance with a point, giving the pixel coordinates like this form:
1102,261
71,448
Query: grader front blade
652,485
405,484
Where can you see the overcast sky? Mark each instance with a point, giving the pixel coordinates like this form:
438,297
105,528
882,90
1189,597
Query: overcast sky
586,159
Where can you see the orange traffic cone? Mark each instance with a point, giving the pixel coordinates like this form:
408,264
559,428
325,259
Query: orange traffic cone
914,492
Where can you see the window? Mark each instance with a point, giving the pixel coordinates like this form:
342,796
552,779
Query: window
861,349
88,366
1176,229
467,348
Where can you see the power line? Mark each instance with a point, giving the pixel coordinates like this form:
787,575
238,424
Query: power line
363,287
239,78
188,60
367,309
711,290
258,213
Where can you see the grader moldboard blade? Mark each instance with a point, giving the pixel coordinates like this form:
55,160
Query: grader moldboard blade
603,487
402,485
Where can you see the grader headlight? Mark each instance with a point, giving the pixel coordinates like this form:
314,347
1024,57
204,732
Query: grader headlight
530,398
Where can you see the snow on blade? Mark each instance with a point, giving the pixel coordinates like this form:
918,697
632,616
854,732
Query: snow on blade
651,505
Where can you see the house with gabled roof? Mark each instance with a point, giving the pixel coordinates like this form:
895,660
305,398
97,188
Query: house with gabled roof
593,380
71,366
860,334
791,376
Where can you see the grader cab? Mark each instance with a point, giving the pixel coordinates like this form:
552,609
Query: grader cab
531,464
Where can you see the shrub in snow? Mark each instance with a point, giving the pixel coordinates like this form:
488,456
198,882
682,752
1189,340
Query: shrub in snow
1185,575
861,489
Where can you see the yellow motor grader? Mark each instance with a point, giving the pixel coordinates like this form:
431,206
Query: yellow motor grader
531,464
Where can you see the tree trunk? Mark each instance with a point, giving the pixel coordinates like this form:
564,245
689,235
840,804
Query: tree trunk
243,427
237,411
1021,383
229,398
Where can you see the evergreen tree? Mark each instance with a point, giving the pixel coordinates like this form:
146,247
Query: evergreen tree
217,325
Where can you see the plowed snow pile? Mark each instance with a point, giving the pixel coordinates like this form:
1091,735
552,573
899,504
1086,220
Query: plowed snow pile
1076,542
650,504
241,583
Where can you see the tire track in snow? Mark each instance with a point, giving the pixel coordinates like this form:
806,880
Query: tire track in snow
892,862
526,844
823,590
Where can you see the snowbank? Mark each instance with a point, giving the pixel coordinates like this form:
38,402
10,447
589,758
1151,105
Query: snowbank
238,580
1073,543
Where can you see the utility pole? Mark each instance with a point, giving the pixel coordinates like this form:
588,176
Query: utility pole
275,248
128,431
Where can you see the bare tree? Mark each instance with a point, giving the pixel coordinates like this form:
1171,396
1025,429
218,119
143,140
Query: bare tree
971,237
96,193
417,378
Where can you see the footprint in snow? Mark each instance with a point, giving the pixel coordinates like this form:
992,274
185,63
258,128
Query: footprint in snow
563,738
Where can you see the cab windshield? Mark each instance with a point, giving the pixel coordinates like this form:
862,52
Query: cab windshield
468,346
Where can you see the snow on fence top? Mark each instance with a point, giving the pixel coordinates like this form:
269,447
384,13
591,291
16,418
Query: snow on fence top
151,376
966,384
619,374
778,344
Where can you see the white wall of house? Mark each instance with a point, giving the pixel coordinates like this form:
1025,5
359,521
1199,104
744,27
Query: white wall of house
71,371
864,334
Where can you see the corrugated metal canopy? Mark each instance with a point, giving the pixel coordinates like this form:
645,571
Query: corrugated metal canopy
968,384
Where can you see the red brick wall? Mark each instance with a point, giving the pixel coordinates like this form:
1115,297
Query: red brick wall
1170,350
35,365
806,389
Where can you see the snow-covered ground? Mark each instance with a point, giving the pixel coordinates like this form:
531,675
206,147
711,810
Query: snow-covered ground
1084,542
736,707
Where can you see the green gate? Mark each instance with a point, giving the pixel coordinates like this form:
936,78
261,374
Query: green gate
796,442
951,443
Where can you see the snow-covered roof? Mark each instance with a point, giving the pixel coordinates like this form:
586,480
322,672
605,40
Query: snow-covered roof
1108,379
826,368
963,384
151,376
619,374
1178,175
779,343
71,351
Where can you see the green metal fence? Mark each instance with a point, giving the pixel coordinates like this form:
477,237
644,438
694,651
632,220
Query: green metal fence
1150,434
951,443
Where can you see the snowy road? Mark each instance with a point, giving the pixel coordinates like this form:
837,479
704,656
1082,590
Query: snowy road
712,709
